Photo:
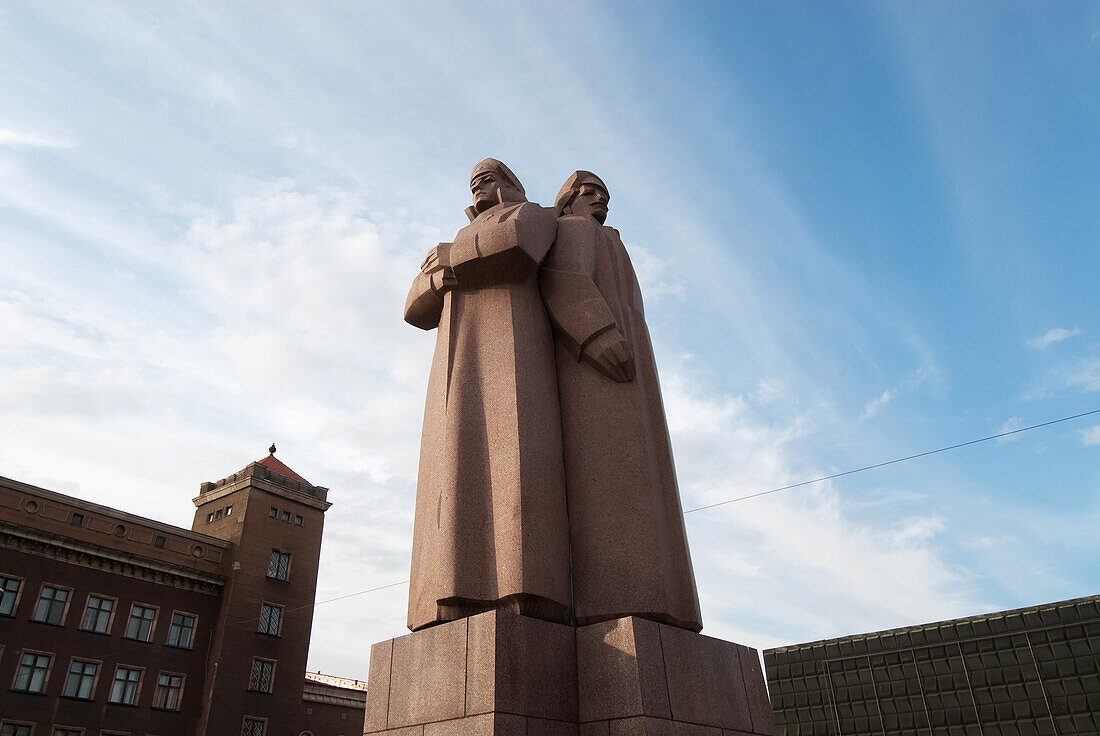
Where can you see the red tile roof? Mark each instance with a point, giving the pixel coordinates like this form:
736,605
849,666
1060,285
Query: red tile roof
273,463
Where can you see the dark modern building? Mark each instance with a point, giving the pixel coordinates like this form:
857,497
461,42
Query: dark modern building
112,624
1015,673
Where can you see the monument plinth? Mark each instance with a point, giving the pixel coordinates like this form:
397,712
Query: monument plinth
500,674
552,592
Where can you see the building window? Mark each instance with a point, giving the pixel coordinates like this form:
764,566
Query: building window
298,520
218,514
51,605
271,619
262,679
66,731
273,512
253,726
15,729
98,614
181,630
278,566
9,594
169,691
228,510
81,680
286,516
159,541
124,690
142,621
77,519
210,517
33,671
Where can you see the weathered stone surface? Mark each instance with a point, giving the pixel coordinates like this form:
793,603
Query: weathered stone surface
546,727
621,670
486,724
760,707
521,665
629,550
596,728
407,731
705,681
378,694
428,676
647,726
490,528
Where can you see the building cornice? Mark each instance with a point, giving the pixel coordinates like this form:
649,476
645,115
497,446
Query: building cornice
113,513
257,476
83,554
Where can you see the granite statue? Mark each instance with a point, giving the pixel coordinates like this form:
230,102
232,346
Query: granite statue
629,550
491,528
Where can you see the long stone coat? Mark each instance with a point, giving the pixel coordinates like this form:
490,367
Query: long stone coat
629,550
490,528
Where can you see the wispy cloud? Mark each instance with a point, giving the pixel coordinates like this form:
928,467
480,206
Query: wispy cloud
873,406
1052,336
1091,435
1086,377
1010,425
14,138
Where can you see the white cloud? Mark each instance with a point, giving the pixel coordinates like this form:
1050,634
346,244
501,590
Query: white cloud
873,406
1052,336
1010,425
823,569
14,138
1091,436
1086,377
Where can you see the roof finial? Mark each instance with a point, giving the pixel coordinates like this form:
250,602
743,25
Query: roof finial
272,448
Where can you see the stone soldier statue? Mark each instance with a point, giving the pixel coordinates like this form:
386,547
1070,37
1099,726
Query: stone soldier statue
629,550
491,529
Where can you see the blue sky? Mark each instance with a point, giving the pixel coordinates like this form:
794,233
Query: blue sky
864,230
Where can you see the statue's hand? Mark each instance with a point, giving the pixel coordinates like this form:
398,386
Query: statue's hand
437,267
443,280
611,355
438,258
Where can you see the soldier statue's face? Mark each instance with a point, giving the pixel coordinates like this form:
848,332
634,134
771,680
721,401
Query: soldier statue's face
591,200
486,191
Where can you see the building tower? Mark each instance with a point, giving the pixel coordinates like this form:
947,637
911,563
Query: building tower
274,518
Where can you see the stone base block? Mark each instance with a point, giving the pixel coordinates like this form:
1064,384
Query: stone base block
499,674
494,673
640,678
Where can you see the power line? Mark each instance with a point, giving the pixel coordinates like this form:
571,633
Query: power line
892,462
330,600
823,478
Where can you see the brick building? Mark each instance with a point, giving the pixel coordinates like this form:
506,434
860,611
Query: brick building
1024,672
114,624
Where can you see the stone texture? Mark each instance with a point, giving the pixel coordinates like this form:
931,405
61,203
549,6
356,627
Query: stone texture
487,724
596,728
497,672
490,527
760,707
428,676
546,727
629,550
378,694
521,665
407,731
705,680
621,670
647,726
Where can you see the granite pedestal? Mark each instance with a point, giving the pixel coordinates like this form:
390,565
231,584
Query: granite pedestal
499,674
